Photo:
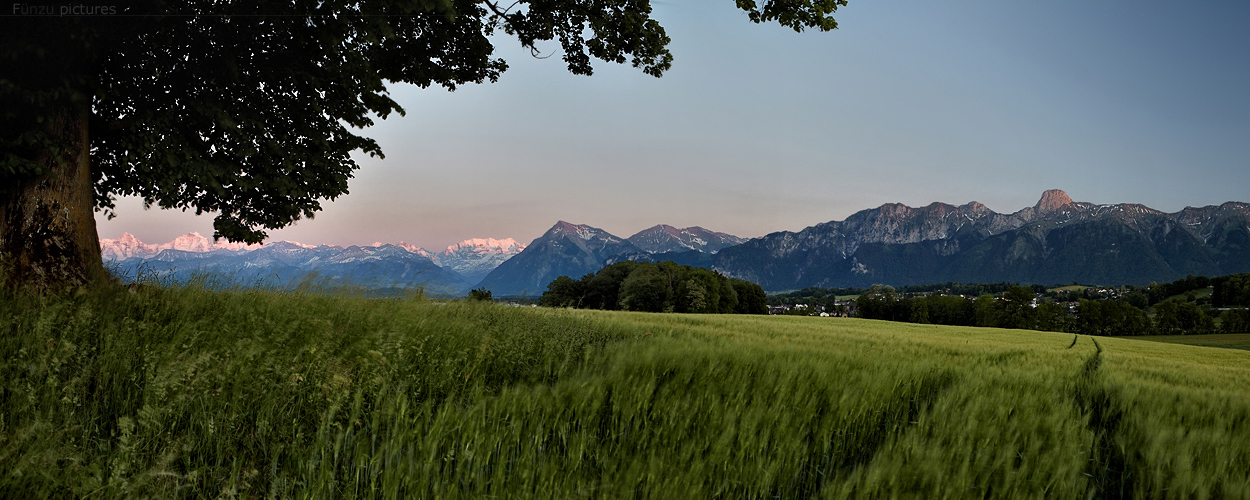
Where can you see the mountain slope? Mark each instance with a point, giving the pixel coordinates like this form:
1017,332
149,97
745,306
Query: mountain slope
564,250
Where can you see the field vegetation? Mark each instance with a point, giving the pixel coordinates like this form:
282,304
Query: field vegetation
183,392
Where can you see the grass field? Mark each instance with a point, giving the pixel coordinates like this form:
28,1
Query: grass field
1226,340
190,393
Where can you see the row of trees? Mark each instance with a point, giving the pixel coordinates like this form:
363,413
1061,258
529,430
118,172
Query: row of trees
662,287
1015,309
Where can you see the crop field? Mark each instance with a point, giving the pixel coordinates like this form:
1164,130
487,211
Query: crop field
189,393
1227,340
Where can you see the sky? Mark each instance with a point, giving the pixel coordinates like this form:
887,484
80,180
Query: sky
758,129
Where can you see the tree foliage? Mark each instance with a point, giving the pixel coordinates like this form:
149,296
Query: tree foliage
479,294
656,287
251,109
1231,290
247,108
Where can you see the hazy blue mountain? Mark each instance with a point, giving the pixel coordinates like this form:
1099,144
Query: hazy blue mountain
564,250
1055,241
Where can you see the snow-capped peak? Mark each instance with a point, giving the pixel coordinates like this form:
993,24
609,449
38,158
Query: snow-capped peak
480,245
128,246
421,251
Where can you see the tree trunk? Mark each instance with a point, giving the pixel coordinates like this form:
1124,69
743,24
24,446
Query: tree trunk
48,239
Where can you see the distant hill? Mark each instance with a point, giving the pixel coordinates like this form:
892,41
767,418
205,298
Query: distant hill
1055,241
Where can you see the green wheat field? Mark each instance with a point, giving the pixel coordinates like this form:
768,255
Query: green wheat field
182,392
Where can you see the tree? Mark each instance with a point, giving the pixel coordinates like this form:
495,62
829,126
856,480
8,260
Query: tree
645,289
1017,308
1182,318
243,108
919,310
479,294
563,292
1052,317
951,310
879,302
657,287
1235,321
1231,290
987,311
751,297
604,287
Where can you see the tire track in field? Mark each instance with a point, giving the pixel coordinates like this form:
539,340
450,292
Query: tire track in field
863,437
1108,466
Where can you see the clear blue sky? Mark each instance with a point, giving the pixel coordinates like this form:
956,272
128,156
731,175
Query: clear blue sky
758,129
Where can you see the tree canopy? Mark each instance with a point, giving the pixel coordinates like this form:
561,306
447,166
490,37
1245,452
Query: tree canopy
248,109
656,287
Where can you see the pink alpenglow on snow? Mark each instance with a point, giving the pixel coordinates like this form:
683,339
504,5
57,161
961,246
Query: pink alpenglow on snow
472,258
128,246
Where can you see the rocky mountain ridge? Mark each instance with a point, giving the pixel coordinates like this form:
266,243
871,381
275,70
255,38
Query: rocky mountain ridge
1055,241
575,250
664,238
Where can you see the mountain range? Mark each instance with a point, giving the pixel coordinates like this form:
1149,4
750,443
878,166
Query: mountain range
473,258
1057,240
450,272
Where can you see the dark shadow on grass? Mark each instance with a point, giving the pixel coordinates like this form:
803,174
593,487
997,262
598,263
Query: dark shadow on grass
1109,467
861,439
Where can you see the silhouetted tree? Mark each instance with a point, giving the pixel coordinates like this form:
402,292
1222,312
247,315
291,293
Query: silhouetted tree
563,292
243,108
751,297
479,294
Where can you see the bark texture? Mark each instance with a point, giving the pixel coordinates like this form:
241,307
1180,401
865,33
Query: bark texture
48,238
